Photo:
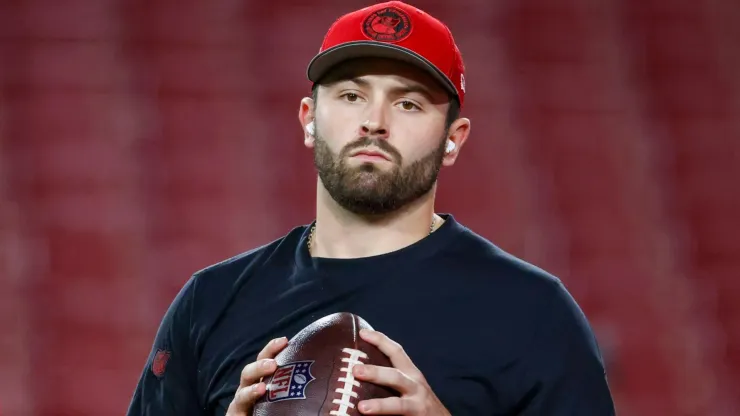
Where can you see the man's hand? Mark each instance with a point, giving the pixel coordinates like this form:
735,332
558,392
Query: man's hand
417,398
251,387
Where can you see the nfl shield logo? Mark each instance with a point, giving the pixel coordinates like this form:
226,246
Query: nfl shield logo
289,382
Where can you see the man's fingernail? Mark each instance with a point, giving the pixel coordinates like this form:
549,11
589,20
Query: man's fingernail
359,370
266,363
364,407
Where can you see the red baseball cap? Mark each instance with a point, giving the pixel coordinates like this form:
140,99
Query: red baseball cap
394,30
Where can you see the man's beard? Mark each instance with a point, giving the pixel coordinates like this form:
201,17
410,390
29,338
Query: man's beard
371,191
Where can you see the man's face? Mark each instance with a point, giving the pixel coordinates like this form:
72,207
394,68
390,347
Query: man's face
380,135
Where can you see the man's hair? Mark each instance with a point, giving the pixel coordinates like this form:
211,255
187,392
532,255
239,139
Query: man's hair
453,112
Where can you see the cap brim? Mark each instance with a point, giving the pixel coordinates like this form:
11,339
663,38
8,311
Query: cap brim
321,63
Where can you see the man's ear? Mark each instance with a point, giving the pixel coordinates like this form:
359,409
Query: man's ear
458,133
306,118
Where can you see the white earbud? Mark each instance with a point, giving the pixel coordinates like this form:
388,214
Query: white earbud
310,128
450,146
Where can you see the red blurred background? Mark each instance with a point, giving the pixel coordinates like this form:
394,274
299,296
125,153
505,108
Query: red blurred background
143,140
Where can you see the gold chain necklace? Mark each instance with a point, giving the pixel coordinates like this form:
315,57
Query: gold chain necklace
313,230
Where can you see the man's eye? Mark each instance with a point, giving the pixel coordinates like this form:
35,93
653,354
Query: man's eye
408,105
351,97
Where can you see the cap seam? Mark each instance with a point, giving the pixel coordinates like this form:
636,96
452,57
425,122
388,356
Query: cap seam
451,47
330,31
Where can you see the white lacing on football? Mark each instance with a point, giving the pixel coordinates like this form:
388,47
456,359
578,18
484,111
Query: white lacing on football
348,382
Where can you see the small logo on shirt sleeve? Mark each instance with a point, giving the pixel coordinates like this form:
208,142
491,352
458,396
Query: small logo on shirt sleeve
159,363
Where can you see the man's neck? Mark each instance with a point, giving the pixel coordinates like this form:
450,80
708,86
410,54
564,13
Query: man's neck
342,234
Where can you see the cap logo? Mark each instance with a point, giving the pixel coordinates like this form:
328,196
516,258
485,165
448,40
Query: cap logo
387,25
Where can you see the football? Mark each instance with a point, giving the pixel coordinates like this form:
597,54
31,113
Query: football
314,374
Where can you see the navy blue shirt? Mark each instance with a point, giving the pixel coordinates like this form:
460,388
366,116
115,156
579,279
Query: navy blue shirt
492,334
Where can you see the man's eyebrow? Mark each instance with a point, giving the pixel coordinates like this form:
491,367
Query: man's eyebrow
359,81
415,88
406,88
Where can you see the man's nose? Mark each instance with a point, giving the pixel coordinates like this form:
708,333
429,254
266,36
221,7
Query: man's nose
376,124
374,129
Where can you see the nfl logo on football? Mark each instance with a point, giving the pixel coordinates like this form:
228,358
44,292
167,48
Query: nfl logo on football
289,382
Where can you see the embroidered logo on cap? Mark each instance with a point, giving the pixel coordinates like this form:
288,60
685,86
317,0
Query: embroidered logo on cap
387,25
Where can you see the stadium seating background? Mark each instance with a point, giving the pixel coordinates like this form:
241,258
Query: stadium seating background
143,140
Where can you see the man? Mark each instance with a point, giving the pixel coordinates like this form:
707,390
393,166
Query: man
469,329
